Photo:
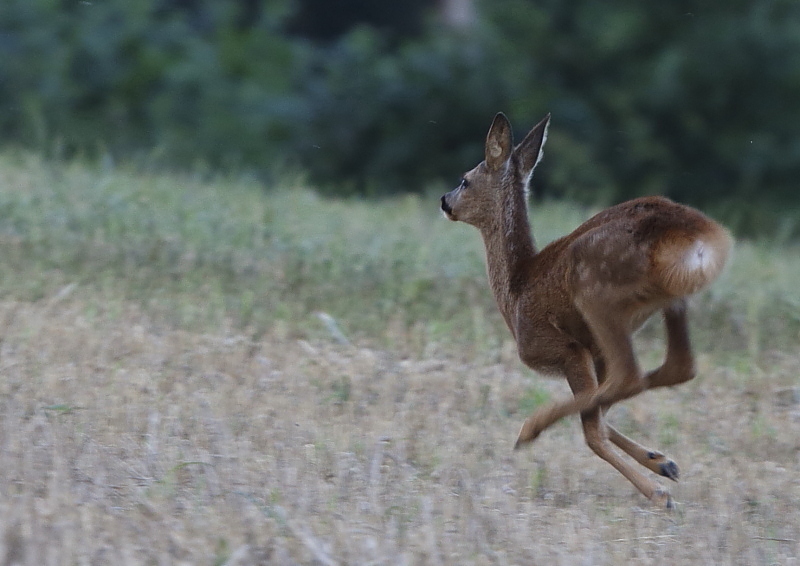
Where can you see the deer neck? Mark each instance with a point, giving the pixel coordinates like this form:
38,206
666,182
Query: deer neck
510,249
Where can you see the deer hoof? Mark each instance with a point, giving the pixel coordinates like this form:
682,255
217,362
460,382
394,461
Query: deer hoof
669,469
663,466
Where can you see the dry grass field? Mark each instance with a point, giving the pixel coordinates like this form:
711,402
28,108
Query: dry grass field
170,393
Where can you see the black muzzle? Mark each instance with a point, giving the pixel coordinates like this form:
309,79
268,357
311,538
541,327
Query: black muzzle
446,207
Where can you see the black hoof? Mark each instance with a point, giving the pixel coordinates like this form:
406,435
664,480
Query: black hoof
669,469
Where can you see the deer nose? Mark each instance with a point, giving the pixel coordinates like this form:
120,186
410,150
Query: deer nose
445,206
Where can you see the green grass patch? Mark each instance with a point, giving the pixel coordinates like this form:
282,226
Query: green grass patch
533,398
197,252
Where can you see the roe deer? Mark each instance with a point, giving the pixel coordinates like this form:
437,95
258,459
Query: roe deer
573,306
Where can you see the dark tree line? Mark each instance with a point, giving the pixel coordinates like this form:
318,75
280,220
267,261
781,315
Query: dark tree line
693,99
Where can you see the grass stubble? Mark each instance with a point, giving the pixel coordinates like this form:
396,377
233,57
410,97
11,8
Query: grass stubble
169,393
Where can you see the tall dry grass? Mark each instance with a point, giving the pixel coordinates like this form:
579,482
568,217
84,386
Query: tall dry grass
170,394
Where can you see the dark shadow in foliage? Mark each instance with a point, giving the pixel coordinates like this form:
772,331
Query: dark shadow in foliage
386,121
326,21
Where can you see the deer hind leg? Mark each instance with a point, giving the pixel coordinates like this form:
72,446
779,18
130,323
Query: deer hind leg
653,460
679,366
597,433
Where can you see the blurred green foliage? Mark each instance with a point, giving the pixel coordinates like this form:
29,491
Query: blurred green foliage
694,100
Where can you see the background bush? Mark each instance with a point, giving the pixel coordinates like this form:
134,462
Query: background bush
693,100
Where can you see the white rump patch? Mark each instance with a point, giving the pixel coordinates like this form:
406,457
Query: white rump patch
700,257
685,267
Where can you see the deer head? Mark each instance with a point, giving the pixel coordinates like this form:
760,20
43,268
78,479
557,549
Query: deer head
501,180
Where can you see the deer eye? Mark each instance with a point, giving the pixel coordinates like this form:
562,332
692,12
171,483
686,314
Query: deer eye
463,184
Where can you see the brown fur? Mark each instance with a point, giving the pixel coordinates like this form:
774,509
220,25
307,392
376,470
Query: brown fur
573,306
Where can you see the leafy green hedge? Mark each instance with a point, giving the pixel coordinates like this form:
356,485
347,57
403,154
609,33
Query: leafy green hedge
693,100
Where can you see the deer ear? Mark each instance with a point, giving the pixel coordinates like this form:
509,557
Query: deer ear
499,142
529,151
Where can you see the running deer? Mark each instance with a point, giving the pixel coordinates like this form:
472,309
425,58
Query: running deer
573,306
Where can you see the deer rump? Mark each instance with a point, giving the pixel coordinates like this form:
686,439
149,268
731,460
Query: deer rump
645,250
